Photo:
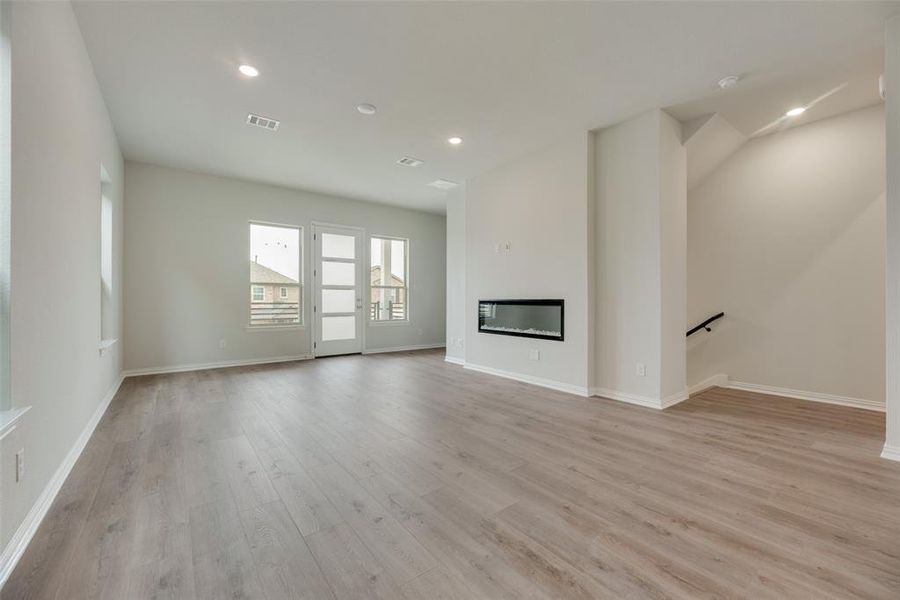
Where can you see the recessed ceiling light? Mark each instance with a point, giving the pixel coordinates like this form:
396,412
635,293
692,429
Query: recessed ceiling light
455,140
366,108
795,111
730,81
248,70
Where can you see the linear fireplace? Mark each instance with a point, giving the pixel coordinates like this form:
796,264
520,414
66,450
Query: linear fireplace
542,319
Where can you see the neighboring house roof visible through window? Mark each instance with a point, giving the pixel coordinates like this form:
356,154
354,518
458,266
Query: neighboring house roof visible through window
261,274
376,278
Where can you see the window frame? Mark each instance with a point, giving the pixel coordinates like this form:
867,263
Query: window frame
106,218
262,291
406,245
301,297
8,415
282,292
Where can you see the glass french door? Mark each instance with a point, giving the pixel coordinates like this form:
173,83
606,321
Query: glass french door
337,303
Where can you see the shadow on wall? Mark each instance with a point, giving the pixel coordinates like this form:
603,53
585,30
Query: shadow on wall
787,237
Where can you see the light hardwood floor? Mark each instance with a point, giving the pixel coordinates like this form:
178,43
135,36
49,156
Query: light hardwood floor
400,476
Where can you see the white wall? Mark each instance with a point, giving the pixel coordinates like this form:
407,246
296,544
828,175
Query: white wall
186,267
456,274
892,268
640,259
673,257
710,142
61,134
787,237
539,203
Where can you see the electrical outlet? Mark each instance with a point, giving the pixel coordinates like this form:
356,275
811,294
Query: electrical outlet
221,344
20,464
534,354
641,370
419,331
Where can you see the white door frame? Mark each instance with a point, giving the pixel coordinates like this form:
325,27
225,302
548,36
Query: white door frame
321,348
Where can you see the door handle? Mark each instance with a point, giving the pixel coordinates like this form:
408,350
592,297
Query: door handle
359,303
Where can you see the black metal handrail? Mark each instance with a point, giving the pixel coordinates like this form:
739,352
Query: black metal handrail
705,324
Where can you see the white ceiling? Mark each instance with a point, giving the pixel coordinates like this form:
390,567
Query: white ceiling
507,77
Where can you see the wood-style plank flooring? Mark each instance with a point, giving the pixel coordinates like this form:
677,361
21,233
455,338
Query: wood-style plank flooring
402,477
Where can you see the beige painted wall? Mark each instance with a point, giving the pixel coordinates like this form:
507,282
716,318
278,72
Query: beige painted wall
892,266
708,145
538,203
457,330
599,220
787,237
186,269
673,257
61,135
640,258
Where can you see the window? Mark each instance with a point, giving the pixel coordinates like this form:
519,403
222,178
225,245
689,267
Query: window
106,269
388,281
5,203
275,262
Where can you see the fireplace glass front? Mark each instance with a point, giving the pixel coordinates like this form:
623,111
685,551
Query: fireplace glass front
542,319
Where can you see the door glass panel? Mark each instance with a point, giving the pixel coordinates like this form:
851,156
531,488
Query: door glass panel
338,328
338,246
338,301
338,273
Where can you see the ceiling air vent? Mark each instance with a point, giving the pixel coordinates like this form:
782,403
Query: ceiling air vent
264,122
443,184
409,161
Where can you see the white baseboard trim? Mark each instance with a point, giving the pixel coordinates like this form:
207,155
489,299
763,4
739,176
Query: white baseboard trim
626,397
673,399
891,453
454,361
402,348
539,381
722,380
214,365
717,380
22,537
804,395
639,400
